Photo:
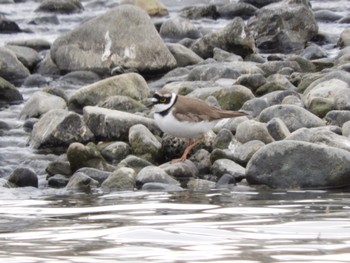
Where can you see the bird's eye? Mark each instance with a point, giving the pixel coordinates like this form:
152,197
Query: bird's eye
162,100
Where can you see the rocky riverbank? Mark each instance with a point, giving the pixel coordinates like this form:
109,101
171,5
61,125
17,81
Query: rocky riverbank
267,60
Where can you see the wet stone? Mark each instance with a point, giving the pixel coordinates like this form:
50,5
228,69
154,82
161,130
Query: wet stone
22,177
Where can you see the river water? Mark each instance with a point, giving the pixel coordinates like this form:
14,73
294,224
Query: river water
238,225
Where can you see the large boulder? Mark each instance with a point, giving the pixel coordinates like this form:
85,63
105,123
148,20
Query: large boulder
59,128
114,125
131,84
234,37
284,27
293,164
11,68
99,45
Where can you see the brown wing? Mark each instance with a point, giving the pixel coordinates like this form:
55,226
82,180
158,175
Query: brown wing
192,109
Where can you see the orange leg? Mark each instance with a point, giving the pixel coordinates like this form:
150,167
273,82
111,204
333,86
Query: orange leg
188,149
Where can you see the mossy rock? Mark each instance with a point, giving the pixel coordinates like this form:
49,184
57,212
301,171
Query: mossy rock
321,106
234,97
268,88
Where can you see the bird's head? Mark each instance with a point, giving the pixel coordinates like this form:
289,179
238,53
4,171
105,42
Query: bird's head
162,100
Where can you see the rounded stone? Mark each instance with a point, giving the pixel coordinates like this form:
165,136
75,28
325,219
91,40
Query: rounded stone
22,177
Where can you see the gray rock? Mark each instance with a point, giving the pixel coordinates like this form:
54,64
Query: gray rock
60,6
154,174
346,129
9,93
254,106
152,7
224,56
252,81
143,143
344,40
122,103
336,91
322,136
260,3
161,187
253,130
333,74
116,151
234,37
201,160
11,68
276,97
178,28
131,84
80,77
114,125
230,124
123,179
218,154
326,16
183,55
242,153
273,67
45,20
314,51
107,46
337,117
234,97
218,70
80,156
277,129
293,164
47,67
232,10
293,116
134,162
223,139
8,26
284,26
40,103
22,177
200,185
197,12
58,181
225,166
28,124
58,167
99,175
293,100
226,181
34,43
181,171
80,182
35,80
28,56
59,128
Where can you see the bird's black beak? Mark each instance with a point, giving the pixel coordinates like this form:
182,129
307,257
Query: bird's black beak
149,102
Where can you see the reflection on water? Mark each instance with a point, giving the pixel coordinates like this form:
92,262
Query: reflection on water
304,226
